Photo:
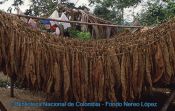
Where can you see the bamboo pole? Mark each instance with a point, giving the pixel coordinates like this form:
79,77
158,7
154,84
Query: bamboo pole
85,23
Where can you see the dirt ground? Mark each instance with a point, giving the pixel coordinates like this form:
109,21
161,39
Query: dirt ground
29,96
20,96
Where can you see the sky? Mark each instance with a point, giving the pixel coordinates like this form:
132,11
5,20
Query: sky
7,4
26,5
127,15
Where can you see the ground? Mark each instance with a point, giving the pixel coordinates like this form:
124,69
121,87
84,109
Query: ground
20,95
29,96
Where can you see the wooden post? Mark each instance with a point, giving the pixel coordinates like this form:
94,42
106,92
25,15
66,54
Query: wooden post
168,102
11,87
2,108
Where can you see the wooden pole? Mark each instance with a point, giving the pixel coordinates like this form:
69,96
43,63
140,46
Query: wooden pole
85,23
2,108
168,102
163,91
12,87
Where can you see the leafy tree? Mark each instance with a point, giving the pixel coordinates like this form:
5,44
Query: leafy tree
18,2
106,13
44,7
39,7
157,12
112,9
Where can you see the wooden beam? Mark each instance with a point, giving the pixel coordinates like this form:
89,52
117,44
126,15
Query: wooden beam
168,102
164,91
79,22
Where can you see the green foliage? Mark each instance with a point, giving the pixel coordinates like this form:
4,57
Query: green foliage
158,12
73,32
3,83
18,2
15,2
46,7
43,7
170,9
84,35
106,13
127,3
80,35
116,3
39,7
112,10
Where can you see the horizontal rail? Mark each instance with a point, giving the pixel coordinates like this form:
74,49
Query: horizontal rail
85,23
